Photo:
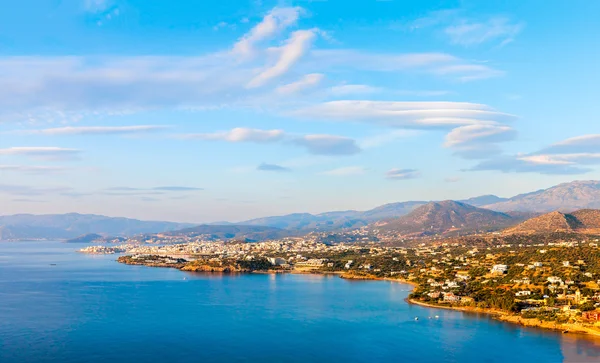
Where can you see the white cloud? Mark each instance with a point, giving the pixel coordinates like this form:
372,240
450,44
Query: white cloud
45,153
402,174
482,133
296,46
440,64
345,171
571,156
97,130
274,22
419,115
241,134
307,81
469,33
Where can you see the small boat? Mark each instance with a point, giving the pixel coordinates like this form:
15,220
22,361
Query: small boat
565,331
437,316
416,318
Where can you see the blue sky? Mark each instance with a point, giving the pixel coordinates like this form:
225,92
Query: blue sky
207,111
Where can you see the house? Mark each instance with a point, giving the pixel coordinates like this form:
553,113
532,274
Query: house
554,280
276,261
523,293
499,269
450,297
434,295
537,264
593,315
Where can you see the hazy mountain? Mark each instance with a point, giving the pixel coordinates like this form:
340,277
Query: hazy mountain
334,220
237,232
563,197
483,200
446,217
64,226
586,220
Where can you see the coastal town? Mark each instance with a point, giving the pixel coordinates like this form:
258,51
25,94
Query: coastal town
550,281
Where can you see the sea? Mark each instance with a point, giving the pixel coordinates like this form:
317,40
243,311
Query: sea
58,305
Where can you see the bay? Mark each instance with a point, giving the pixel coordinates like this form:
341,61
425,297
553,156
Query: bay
57,305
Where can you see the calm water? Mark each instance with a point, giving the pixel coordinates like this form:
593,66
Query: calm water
92,309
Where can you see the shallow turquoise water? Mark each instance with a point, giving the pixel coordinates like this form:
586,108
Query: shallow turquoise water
92,309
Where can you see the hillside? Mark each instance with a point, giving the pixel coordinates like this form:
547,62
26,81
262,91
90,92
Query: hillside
565,197
587,220
66,226
237,232
446,217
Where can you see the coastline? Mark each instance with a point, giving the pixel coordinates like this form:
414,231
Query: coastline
499,315
503,316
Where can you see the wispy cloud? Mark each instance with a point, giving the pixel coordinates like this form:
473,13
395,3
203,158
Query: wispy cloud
34,169
97,130
272,167
289,54
42,153
240,134
402,174
307,81
465,30
479,141
274,22
574,155
314,144
468,33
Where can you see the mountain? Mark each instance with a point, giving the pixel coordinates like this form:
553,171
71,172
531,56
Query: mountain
66,226
446,217
586,220
237,232
483,200
330,221
565,197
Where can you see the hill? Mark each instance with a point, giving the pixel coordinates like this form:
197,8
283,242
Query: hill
446,217
564,197
233,232
66,226
586,220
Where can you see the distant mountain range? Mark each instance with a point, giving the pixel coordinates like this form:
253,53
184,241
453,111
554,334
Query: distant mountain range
66,226
442,218
237,232
585,220
564,197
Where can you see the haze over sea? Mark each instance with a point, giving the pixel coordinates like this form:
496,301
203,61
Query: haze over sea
91,308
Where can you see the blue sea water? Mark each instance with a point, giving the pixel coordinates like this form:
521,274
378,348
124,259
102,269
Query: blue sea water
88,308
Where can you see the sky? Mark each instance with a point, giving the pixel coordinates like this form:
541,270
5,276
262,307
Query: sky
203,111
